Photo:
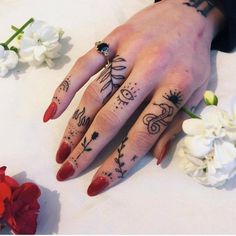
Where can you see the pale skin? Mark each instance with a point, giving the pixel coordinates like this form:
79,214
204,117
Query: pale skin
163,55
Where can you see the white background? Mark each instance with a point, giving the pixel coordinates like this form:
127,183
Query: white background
152,199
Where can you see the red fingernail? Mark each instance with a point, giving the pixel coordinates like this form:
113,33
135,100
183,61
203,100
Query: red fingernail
163,153
97,186
63,152
65,172
50,112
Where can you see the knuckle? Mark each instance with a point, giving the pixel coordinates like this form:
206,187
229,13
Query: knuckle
107,120
92,95
141,140
123,30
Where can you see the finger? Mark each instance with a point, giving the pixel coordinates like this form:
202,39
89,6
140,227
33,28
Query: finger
163,144
84,68
109,120
167,100
96,94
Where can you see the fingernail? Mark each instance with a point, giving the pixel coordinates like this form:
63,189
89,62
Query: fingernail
97,186
63,152
65,172
163,153
50,112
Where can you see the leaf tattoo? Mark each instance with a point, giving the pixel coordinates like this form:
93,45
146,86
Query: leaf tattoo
110,80
118,160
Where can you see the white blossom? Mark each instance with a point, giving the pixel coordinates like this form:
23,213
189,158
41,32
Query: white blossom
8,60
208,151
40,43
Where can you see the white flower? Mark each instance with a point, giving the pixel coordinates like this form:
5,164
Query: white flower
8,60
208,152
40,43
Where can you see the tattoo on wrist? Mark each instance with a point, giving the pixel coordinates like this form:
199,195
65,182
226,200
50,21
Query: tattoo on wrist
154,122
118,160
111,81
175,97
202,6
85,145
80,118
127,94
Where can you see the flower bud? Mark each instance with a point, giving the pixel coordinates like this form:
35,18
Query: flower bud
210,98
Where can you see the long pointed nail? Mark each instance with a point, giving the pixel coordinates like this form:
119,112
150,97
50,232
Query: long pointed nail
163,153
97,186
63,152
50,112
65,172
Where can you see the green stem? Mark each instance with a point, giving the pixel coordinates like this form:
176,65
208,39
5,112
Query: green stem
19,31
188,112
14,28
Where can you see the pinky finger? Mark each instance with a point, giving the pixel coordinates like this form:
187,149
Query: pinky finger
163,144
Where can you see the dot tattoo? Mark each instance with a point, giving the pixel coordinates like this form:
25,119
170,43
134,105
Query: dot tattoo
175,97
108,79
202,6
154,122
80,118
108,174
85,145
127,94
118,160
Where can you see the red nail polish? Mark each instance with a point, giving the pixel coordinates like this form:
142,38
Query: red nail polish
50,112
97,186
63,152
65,172
163,153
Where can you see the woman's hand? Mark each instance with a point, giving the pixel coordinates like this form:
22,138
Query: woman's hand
163,52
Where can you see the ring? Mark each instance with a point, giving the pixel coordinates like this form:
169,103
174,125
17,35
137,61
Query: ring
103,48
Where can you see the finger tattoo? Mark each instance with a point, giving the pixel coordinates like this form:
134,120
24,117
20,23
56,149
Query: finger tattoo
154,122
65,84
202,6
175,97
126,95
85,145
108,79
80,118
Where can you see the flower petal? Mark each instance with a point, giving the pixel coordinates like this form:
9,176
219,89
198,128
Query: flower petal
193,126
198,146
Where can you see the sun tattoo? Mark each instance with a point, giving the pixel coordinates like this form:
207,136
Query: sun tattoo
175,97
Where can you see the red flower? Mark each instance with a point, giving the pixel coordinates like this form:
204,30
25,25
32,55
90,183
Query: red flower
19,205
22,210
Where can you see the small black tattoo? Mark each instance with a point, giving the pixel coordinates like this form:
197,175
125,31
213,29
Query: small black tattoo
108,174
134,158
127,94
85,145
65,84
57,99
154,122
81,119
110,80
202,6
175,97
118,160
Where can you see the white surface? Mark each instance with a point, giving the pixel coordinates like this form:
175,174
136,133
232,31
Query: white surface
152,200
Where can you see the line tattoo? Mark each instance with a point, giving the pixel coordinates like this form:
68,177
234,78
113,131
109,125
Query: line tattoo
81,119
127,94
85,145
110,80
202,6
175,97
118,160
154,122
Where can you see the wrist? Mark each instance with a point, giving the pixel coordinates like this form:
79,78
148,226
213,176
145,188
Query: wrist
204,17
